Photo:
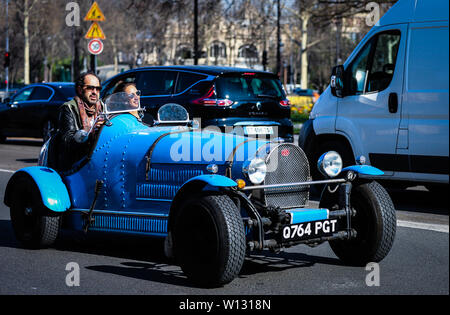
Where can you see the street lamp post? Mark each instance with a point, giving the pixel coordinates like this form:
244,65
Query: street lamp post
7,48
278,38
196,32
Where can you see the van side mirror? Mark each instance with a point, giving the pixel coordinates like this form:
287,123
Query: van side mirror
337,81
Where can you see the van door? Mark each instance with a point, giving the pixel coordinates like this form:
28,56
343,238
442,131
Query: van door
370,113
426,100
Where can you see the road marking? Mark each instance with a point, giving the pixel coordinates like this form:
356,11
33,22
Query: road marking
7,171
424,226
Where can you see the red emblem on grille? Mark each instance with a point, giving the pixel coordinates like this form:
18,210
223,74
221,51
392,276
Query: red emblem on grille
285,152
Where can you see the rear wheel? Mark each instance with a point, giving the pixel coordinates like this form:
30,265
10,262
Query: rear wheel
209,240
31,226
375,223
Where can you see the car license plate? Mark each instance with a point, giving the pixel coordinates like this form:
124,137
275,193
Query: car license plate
309,230
258,130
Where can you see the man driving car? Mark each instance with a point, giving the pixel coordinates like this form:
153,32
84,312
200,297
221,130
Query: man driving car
77,120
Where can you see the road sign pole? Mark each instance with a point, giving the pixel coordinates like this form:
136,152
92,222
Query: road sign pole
95,15
94,63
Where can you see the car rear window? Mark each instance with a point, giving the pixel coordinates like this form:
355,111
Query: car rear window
242,87
186,80
156,82
68,92
40,94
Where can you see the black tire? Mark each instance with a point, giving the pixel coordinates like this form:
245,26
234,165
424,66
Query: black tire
375,223
33,228
209,240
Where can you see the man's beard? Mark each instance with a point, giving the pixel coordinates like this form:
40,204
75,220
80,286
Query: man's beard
89,102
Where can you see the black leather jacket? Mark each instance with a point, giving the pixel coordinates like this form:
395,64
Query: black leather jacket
69,123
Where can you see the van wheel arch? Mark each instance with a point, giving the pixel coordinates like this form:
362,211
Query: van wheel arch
324,143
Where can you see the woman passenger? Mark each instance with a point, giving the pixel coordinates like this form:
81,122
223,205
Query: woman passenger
134,96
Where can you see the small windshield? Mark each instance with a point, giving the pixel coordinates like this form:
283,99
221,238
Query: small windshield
173,113
122,103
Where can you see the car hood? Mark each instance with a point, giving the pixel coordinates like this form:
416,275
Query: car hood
173,145
136,161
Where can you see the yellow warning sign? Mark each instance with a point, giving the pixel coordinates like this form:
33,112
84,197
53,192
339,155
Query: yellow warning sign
95,14
95,32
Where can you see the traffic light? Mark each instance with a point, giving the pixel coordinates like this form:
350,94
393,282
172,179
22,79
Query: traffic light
7,60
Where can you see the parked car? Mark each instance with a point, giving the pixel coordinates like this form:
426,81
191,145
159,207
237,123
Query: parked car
389,101
33,110
228,196
310,94
302,101
252,103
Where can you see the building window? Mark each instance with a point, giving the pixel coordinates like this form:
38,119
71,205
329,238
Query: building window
183,52
248,52
218,50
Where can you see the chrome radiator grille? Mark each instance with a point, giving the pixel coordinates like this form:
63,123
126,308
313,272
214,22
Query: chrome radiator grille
286,163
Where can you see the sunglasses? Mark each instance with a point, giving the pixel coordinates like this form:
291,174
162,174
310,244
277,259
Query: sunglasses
92,88
137,93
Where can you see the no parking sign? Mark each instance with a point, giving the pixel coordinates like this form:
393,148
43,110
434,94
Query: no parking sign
95,47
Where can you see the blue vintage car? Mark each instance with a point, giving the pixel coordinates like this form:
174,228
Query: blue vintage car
213,197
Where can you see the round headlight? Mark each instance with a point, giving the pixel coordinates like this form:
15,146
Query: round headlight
330,164
255,170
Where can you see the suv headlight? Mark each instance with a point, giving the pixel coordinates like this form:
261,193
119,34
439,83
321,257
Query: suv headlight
330,164
255,170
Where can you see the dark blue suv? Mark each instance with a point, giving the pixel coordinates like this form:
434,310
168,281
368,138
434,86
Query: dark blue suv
243,101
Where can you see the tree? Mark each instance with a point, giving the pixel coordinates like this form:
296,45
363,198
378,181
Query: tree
25,7
323,18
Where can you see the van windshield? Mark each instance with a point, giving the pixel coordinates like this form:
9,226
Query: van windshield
245,87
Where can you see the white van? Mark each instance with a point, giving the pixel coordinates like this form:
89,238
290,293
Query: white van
389,101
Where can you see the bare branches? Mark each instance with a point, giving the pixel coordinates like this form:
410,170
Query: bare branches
158,28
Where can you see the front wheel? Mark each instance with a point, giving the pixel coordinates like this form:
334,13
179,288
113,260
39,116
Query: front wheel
209,240
375,223
32,227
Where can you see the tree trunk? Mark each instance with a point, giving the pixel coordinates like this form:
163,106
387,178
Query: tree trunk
115,54
338,41
26,34
76,54
304,52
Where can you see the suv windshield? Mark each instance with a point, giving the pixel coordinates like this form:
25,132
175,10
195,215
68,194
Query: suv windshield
244,87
